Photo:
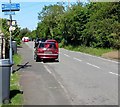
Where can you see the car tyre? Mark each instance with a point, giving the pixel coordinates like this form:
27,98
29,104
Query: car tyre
37,59
6,101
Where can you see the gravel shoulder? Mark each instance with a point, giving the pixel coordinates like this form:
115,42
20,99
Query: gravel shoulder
114,55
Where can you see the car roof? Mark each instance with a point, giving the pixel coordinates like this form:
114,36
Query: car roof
51,40
48,42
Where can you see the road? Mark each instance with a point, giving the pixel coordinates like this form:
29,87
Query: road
77,79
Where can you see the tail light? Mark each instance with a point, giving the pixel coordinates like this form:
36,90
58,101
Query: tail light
56,45
56,51
40,50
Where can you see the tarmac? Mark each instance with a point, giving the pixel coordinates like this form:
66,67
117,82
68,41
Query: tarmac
39,87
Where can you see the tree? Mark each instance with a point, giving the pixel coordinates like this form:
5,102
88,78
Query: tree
47,26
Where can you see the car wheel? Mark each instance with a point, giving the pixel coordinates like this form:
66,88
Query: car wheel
37,59
34,57
44,61
6,101
57,60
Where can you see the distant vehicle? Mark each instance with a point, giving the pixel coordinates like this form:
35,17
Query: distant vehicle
25,39
46,50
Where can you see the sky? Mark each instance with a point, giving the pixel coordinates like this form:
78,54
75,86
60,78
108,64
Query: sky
29,9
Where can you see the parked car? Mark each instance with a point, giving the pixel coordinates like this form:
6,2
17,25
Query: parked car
46,50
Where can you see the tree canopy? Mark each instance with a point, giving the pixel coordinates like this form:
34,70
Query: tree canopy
93,25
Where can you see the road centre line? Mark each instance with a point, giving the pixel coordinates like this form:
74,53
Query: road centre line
114,73
77,59
66,55
93,65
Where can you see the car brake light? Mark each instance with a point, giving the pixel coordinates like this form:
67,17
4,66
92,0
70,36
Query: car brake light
40,51
56,51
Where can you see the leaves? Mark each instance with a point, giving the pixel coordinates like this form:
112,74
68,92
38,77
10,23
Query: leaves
93,24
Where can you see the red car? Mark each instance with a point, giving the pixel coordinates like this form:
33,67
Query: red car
46,50
25,39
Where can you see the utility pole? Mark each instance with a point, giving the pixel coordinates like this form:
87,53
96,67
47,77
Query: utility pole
10,29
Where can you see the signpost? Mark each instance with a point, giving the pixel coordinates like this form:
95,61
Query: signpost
9,13
9,9
13,22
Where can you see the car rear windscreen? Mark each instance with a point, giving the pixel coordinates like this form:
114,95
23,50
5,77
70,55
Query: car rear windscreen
47,45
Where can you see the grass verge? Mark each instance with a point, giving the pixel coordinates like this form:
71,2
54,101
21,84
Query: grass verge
88,50
15,87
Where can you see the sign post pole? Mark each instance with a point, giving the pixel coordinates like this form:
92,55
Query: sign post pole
10,29
10,36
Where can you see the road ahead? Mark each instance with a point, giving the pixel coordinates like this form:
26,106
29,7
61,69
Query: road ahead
77,79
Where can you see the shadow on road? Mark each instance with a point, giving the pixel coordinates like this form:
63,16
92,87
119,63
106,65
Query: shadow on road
21,67
50,61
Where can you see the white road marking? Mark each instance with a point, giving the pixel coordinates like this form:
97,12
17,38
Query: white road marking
48,69
77,59
61,85
114,73
93,65
66,55
94,56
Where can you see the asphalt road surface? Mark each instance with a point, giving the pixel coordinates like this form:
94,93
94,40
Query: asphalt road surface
77,79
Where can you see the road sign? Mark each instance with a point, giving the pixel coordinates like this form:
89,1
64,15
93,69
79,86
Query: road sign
13,22
10,7
9,13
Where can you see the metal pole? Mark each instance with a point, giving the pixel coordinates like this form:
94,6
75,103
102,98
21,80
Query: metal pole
2,48
10,52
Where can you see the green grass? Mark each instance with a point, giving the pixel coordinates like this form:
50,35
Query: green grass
15,87
17,98
89,50
17,59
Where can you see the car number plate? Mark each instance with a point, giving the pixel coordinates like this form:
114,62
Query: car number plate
48,52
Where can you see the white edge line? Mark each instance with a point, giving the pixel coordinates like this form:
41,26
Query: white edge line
66,55
62,86
48,69
114,73
77,59
93,56
93,65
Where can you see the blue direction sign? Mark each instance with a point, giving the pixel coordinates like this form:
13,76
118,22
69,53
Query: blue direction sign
10,7
9,13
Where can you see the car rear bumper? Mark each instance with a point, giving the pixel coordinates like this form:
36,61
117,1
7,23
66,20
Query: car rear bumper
47,56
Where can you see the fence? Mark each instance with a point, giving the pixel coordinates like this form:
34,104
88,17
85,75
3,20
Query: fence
2,46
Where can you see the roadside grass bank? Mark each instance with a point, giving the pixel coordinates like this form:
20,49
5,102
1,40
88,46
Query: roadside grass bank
89,50
15,87
16,97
